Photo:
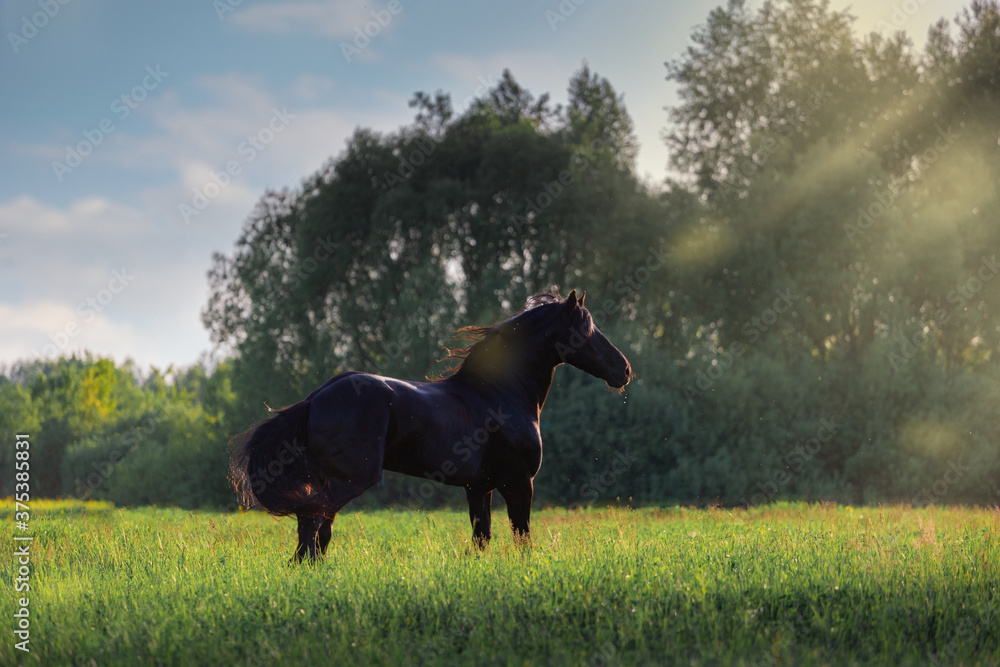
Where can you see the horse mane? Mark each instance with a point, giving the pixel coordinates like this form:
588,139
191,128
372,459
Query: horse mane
475,335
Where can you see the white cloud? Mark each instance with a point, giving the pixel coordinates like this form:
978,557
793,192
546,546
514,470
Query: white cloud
309,88
99,275
48,330
92,216
236,127
242,108
195,176
55,257
336,19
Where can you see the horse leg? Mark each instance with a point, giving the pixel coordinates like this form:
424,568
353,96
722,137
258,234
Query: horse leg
518,496
323,536
479,513
308,527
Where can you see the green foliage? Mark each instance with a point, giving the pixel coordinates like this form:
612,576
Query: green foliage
812,304
786,583
18,415
62,402
406,237
860,181
175,456
820,309
100,431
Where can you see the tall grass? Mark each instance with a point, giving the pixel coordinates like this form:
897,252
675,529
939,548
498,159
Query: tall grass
783,584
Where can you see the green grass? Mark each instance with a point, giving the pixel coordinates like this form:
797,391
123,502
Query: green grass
784,584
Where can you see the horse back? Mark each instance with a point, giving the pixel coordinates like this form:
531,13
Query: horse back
360,424
448,433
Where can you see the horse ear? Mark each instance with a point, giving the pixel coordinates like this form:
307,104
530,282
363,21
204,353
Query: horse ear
583,298
571,300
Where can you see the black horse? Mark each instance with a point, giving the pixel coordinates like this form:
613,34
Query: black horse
477,428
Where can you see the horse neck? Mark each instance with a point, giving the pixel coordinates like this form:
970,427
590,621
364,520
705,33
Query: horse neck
536,386
527,379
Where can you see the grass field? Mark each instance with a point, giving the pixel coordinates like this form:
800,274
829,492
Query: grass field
788,584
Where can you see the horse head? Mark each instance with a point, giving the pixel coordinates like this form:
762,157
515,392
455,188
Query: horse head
583,345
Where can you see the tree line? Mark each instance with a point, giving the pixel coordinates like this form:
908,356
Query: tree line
808,302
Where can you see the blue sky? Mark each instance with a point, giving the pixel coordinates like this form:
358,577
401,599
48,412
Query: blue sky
95,252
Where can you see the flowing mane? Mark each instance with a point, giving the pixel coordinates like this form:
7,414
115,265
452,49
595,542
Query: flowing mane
477,335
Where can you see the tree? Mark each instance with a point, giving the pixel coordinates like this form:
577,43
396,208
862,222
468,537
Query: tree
832,166
405,237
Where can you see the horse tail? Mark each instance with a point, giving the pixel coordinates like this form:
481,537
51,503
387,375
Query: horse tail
269,465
